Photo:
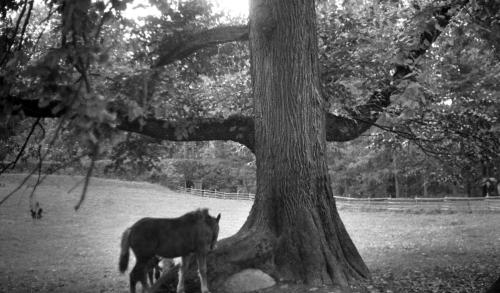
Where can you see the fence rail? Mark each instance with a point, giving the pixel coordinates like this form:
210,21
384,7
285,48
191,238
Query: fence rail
217,194
450,204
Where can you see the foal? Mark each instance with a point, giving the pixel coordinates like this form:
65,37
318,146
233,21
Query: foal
158,266
195,232
153,270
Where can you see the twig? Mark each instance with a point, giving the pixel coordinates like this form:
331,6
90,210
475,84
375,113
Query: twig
63,165
42,179
26,22
101,23
76,185
39,174
18,187
13,163
52,171
42,159
95,151
10,41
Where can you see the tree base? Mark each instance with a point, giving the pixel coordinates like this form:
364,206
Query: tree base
245,250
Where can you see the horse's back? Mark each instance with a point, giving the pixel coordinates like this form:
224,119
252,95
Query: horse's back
143,237
172,237
161,236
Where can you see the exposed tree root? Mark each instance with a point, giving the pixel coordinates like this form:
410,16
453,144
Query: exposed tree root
243,250
291,257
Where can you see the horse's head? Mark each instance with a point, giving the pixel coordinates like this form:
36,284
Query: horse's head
214,225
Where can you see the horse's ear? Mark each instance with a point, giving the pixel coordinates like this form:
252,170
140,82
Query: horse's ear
218,218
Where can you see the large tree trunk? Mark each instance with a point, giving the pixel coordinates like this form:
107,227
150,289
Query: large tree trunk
293,232
495,287
294,200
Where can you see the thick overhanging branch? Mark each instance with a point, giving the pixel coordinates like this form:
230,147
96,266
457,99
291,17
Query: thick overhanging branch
235,128
364,116
241,129
338,128
187,45
342,129
32,107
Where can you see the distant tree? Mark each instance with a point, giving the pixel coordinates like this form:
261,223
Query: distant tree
450,111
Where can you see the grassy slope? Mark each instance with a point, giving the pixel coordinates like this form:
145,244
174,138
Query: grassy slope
71,251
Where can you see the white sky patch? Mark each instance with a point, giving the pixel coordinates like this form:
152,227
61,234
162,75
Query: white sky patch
447,102
233,7
141,8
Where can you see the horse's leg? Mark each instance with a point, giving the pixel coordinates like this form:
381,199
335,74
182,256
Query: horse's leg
182,273
143,276
138,274
133,280
157,272
150,275
202,271
150,270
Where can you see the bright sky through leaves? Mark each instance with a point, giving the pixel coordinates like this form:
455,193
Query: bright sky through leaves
140,8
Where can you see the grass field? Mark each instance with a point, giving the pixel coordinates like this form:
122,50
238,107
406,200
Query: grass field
70,251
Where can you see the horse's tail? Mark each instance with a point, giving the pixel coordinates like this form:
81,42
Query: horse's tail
124,253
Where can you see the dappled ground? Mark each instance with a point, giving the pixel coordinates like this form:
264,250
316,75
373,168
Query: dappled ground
71,251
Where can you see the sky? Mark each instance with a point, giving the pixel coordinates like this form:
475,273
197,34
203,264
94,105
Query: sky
233,7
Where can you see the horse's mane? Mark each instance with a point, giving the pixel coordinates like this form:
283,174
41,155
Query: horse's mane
196,215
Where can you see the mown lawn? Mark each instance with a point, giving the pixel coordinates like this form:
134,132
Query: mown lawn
70,251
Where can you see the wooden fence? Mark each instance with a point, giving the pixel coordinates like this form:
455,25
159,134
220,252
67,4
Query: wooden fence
217,194
416,204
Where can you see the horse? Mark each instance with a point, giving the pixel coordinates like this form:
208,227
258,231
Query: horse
193,233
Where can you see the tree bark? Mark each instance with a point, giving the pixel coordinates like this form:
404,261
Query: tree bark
495,287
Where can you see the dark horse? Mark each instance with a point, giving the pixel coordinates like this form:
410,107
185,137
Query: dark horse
193,233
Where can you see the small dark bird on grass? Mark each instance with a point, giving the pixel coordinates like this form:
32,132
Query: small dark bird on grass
36,213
